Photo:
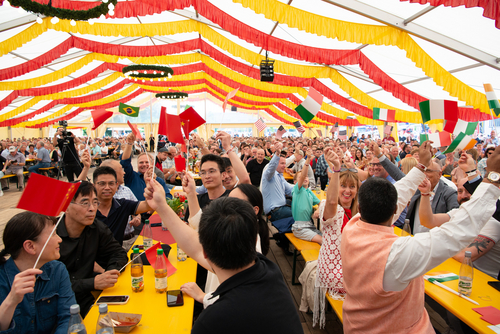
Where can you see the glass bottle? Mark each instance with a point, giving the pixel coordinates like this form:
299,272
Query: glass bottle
161,282
181,255
466,275
75,321
406,230
137,272
147,235
104,323
318,186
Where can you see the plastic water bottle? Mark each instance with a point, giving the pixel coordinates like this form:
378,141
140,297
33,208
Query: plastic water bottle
75,321
466,275
104,323
161,279
406,229
137,272
147,236
318,186
181,255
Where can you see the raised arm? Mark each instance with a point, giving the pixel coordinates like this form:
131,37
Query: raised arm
129,144
273,164
427,217
189,187
86,166
201,144
304,171
238,166
332,194
393,171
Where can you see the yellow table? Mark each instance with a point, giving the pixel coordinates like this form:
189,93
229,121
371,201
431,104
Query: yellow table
287,176
157,317
176,189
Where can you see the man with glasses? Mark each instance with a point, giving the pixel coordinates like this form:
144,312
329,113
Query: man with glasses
85,241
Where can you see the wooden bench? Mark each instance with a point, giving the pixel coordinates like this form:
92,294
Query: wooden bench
8,176
47,169
299,245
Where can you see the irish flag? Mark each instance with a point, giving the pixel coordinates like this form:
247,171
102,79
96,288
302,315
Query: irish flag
492,99
386,115
311,105
439,139
439,109
461,142
460,126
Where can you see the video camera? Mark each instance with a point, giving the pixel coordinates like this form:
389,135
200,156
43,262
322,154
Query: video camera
65,133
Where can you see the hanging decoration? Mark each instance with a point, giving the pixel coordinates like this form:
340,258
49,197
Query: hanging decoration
105,8
172,95
148,72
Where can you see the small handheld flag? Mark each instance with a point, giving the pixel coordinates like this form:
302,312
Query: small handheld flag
387,115
343,134
127,110
388,129
461,142
299,126
190,120
260,125
229,96
99,116
281,131
335,128
439,139
439,109
180,163
492,99
460,126
311,105
319,133
135,130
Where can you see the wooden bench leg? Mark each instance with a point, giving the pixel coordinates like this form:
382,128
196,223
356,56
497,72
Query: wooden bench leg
294,267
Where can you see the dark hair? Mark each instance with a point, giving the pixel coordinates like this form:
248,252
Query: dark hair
356,154
103,170
85,189
215,158
227,162
228,231
255,199
376,209
23,226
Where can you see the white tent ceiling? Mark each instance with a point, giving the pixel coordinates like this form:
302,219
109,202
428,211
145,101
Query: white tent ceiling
443,32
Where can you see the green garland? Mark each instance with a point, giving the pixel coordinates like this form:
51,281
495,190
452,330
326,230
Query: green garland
172,95
66,14
134,71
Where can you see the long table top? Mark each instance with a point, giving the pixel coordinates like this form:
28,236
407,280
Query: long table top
157,317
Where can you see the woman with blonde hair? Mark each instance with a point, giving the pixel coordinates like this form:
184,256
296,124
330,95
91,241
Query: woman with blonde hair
407,164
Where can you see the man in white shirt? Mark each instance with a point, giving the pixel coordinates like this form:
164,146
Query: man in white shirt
370,235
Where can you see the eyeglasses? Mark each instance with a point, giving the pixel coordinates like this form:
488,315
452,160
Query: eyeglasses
375,164
209,172
86,204
103,183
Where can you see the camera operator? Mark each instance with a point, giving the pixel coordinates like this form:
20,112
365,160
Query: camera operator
66,141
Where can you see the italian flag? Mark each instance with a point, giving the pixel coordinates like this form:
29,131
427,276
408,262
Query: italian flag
439,109
461,142
492,98
439,139
386,115
311,105
460,126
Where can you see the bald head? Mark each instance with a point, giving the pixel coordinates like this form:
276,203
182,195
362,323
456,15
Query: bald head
433,173
117,167
260,155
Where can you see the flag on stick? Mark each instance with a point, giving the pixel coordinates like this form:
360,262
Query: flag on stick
387,115
190,120
343,134
439,139
492,99
135,130
460,126
170,126
281,131
229,96
299,126
260,124
388,129
320,134
180,163
335,128
99,116
151,255
461,142
439,109
47,196
127,110
311,105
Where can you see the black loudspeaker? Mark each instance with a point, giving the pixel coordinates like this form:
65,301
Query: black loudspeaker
267,70
233,108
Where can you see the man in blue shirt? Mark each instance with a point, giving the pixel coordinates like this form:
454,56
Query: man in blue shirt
42,157
274,187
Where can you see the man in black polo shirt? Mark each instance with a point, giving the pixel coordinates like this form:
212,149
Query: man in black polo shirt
86,240
256,166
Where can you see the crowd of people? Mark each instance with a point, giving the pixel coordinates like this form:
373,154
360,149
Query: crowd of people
450,201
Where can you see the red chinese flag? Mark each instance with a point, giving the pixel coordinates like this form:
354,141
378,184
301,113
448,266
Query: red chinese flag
174,132
135,130
162,126
180,163
100,116
190,120
47,196
151,255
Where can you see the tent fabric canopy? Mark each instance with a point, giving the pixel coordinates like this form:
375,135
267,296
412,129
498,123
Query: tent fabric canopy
224,56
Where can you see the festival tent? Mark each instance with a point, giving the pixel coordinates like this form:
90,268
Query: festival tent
359,55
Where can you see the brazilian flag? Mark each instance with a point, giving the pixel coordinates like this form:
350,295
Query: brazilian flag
128,110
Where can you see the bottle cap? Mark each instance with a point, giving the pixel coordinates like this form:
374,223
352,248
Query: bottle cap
159,251
103,308
146,222
136,250
468,254
74,309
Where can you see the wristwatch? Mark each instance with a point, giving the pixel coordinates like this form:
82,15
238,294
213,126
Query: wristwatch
494,177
